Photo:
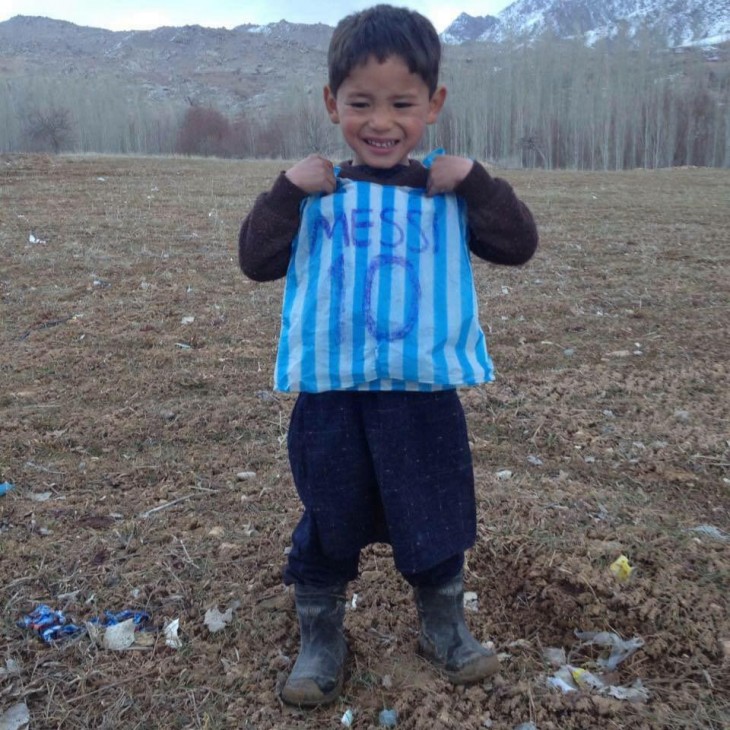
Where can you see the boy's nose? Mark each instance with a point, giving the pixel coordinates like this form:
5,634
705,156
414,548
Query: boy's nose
380,119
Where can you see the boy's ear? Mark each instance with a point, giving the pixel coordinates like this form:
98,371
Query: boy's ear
436,104
330,102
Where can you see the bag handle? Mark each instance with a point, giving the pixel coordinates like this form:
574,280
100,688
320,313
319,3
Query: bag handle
431,156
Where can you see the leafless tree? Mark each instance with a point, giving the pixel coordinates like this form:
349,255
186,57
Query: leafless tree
49,128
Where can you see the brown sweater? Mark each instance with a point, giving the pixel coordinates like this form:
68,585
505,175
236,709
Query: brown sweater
501,227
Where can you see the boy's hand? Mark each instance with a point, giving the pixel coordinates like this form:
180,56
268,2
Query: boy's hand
447,171
313,174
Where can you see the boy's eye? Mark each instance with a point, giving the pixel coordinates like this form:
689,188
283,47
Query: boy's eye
402,104
358,104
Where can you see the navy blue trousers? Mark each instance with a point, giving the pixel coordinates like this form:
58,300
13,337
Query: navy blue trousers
380,466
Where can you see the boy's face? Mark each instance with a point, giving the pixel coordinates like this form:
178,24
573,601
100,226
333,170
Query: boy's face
383,110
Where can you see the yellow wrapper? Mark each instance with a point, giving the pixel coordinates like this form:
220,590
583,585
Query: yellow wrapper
621,568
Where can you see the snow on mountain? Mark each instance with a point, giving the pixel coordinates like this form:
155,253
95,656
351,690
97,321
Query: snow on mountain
468,28
677,22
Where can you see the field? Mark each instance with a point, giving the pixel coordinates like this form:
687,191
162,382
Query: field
148,457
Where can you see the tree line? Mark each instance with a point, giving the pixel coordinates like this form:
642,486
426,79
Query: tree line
554,104
622,104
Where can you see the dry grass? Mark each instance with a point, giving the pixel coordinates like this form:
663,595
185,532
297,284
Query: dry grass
612,353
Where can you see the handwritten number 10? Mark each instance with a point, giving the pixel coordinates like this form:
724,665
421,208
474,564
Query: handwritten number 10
376,267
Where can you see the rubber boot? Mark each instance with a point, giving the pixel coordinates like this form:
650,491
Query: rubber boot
319,670
444,638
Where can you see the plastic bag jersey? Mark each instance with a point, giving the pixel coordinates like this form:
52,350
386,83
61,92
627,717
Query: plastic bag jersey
379,294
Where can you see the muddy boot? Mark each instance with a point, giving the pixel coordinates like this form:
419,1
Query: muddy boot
444,638
319,670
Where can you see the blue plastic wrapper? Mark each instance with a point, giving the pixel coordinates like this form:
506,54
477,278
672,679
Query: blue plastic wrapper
111,618
5,487
50,625
53,625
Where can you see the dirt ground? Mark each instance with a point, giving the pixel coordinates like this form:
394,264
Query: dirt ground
136,368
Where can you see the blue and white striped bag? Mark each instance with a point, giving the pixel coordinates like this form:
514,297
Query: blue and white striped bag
379,294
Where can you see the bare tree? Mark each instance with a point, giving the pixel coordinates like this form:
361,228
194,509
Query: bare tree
314,127
204,131
532,147
49,128
623,102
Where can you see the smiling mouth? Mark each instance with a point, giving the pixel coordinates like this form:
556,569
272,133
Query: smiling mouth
382,144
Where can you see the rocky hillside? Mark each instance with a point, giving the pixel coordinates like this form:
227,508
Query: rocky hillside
250,66
674,22
230,69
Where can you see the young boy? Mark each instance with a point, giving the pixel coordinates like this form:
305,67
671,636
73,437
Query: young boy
379,328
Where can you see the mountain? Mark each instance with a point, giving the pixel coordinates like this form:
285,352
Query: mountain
468,28
231,69
143,82
675,22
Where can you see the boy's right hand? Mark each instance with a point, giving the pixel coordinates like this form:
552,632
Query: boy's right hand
313,174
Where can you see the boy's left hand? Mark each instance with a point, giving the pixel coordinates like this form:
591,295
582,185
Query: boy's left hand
447,171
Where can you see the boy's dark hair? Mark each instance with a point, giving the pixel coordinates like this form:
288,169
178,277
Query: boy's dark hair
384,31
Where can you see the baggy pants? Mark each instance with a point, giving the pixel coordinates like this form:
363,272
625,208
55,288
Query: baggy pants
380,466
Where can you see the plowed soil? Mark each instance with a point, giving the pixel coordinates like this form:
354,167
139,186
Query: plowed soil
136,369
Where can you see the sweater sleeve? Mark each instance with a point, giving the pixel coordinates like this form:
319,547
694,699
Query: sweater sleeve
265,239
501,227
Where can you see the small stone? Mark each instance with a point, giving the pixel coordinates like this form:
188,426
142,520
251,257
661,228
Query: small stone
217,531
725,643
280,663
244,476
229,550
681,415
11,668
504,474
388,718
